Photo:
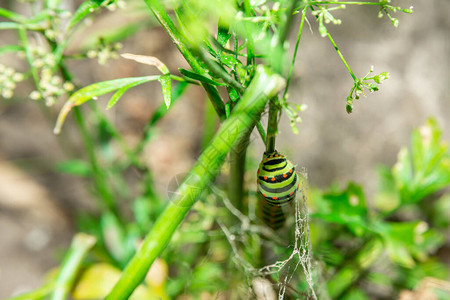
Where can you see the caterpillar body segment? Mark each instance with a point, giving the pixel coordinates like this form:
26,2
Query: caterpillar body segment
277,185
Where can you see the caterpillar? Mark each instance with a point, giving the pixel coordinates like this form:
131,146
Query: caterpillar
277,185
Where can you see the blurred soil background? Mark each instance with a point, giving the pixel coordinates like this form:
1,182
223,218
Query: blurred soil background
38,205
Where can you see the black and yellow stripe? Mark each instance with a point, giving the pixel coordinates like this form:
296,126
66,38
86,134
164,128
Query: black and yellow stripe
277,187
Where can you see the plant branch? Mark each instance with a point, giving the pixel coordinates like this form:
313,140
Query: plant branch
337,49
300,30
81,244
164,19
265,85
277,64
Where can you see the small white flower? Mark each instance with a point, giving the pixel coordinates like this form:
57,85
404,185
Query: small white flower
121,4
35,95
49,101
38,63
9,84
7,93
9,72
68,86
51,34
92,54
17,77
56,80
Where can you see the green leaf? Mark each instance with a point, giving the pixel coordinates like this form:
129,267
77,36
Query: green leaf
86,8
406,240
355,294
387,198
75,167
95,90
162,109
347,207
441,212
117,95
121,243
207,277
199,77
429,268
426,168
166,84
229,60
223,34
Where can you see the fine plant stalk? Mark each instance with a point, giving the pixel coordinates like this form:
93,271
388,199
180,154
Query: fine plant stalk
81,244
165,21
99,176
12,16
341,56
264,85
34,73
277,64
37,294
345,3
300,30
337,49
157,115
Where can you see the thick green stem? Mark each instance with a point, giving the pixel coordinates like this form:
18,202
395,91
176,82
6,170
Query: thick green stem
277,63
164,19
265,85
272,125
237,170
81,244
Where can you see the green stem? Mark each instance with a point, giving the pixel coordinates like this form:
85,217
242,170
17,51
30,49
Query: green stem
261,131
237,171
52,4
286,26
221,73
34,72
81,244
276,62
337,50
210,122
272,125
250,43
98,174
345,3
164,19
300,30
264,85
12,16
341,56
37,294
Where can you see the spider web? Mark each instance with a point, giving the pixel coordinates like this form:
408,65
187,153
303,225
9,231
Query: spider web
301,248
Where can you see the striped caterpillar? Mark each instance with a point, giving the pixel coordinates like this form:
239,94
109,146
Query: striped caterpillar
277,187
